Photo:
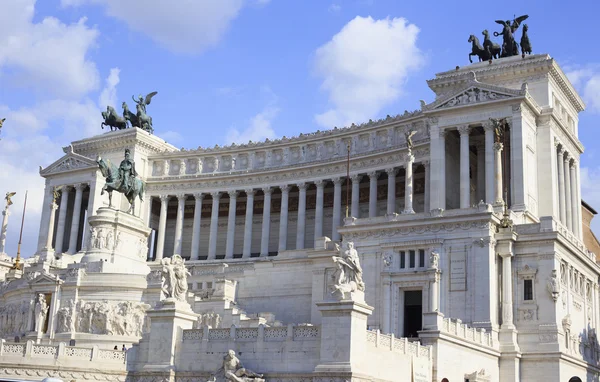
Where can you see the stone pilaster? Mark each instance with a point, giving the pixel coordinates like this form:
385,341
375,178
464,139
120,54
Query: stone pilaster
231,225
372,194
179,224
391,195
162,226
465,186
488,127
247,250
355,211
319,209
283,217
266,222
214,226
301,226
62,219
408,185
75,218
199,198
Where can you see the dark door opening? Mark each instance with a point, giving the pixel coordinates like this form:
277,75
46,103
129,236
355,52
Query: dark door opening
413,313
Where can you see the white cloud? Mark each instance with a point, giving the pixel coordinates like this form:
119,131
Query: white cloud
180,25
586,80
334,8
364,67
48,55
259,129
108,96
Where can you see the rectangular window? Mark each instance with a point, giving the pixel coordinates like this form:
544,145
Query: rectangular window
421,258
412,258
209,285
528,290
402,260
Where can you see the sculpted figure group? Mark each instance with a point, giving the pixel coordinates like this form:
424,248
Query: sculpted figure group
138,119
509,47
348,276
232,370
174,279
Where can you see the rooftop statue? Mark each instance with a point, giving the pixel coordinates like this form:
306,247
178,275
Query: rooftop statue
122,179
139,119
8,197
509,45
490,50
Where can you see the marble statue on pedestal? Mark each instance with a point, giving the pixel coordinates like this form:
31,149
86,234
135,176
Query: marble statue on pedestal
233,371
174,278
41,311
348,276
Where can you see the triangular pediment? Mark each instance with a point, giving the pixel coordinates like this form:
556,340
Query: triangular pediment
69,162
43,278
475,92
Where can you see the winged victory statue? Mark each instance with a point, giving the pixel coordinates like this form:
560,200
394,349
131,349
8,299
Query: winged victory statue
139,119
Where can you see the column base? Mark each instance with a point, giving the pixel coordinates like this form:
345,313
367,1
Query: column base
47,254
508,340
408,211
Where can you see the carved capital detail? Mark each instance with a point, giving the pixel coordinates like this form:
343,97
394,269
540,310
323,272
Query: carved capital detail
284,189
356,178
301,186
337,181
267,190
372,174
391,171
215,195
164,198
498,146
181,197
464,130
233,194
249,191
320,183
199,196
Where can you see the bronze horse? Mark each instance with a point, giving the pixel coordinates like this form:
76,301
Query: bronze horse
478,50
112,119
115,183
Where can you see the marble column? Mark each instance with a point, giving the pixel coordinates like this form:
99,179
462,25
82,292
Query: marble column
427,194
319,209
574,205
387,303
480,196
355,211
75,218
195,255
372,194
50,235
569,207
231,225
247,250
465,186
300,229
507,297
178,237
162,226
442,174
283,217
391,195
337,209
408,185
214,226
266,222
562,206
434,290
62,218
489,163
3,228
498,173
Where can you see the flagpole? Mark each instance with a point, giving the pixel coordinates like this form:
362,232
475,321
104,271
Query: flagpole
18,259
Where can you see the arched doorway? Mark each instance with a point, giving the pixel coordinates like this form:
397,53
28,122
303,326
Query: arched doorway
575,379
445,380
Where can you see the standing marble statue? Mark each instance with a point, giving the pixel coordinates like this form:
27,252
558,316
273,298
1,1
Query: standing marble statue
5,215
348,276
233,371
41,312
174,279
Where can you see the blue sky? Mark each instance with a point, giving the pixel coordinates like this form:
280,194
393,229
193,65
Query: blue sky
234,70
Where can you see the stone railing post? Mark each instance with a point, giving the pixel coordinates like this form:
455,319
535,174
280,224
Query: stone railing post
29,349
95,353
2,341
61,350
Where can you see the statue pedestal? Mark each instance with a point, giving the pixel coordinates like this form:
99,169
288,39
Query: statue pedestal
167,322
343,335
117,243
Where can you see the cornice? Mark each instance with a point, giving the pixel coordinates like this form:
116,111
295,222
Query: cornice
326,169
116,140
304,139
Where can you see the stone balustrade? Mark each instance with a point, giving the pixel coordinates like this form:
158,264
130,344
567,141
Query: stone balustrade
261,333
60,354
400,345
479,336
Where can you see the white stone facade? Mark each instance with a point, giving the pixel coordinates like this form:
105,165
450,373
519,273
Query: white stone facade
452,290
